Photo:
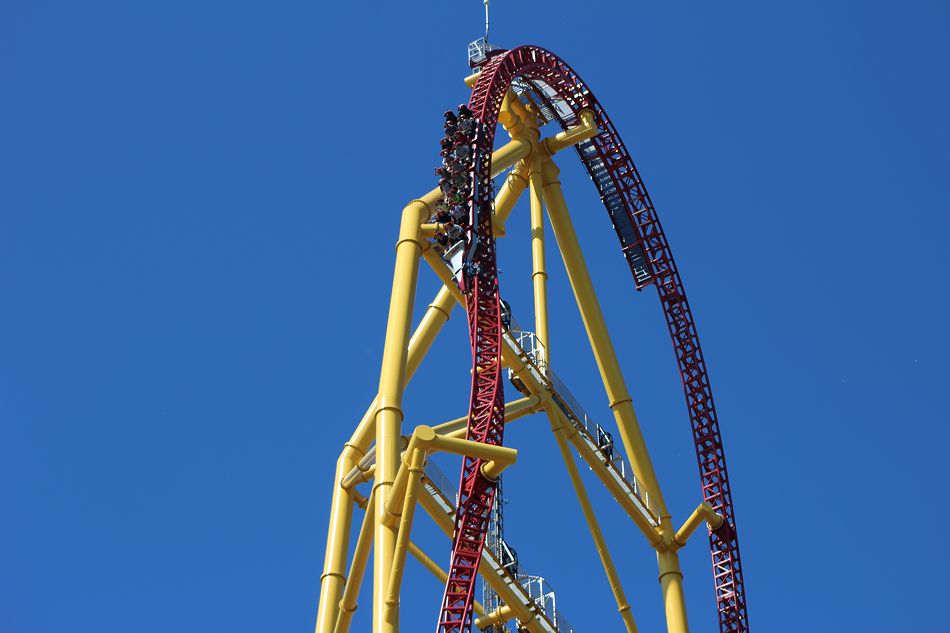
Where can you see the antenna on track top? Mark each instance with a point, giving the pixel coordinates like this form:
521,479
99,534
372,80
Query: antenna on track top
479,49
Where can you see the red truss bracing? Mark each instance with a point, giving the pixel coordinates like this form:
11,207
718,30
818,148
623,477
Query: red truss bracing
486,417
648,254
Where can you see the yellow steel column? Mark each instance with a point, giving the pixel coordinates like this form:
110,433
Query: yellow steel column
671,582
522,126
539,273
429,327
333,577
347,603
437,315
502,158
671,578
338,540
511,360
415,463
508,195
389,413
623,607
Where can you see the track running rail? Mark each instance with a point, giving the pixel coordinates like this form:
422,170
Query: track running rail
648,254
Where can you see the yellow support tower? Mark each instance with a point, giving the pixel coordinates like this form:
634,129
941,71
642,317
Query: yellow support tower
385,466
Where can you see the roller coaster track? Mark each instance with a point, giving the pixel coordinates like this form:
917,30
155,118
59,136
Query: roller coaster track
648,254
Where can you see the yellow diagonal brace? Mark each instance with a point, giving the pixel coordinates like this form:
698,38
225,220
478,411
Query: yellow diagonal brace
512,360
414,469
494,458
618,397
363,543
438,572
514,410
623,607
703,513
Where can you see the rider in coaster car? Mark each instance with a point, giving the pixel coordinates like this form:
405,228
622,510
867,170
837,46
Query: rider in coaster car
454,232
458,212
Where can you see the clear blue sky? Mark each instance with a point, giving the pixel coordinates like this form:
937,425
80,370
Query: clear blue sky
198,204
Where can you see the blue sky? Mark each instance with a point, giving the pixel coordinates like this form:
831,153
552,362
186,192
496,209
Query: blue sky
198,204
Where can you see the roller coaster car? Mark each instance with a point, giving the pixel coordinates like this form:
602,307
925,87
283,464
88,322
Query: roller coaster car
506,314
454,256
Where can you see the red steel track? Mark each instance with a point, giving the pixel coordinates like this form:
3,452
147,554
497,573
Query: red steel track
648,254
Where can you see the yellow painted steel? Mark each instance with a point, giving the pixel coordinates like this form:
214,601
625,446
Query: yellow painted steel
508,195
389,413
539,273
429,229
436,316
395,462
499,616
619,398
671,578
598,467
502,158
514,410
494,458
703,513
512,361
425,439
522,126
573,136
438,572
333,578
671,584
347,603
414,469
418,447
427,562
623,607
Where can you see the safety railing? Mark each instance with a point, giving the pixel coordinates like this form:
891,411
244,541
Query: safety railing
545,599
438,486
442,483
597,436
532,350
532,347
